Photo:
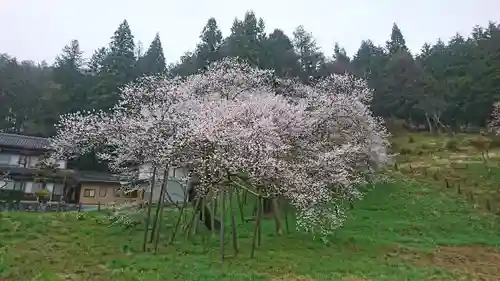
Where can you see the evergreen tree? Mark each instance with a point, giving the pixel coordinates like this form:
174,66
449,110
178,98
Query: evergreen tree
280,55
187,65
208,50
246,39
96,63
340,64
120,60
153,62
397,42
118,68
71,58
369,63
310,58
68,74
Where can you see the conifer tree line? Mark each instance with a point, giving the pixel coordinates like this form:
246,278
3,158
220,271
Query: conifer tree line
445,85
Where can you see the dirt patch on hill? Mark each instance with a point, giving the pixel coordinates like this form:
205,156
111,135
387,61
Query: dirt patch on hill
479,261
354,278
292,277
476,261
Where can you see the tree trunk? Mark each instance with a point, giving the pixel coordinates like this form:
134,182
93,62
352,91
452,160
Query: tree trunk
428,122
268,207
205,214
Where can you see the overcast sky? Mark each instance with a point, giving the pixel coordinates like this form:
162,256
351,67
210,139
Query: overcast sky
38,29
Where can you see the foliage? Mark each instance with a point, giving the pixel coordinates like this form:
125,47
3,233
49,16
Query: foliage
43,193
125,219
494,121
4,178
451,144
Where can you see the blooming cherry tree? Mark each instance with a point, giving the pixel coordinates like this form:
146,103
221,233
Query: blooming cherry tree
494,122
313,145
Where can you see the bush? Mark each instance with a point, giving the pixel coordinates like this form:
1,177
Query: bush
396,126
405,150
495,141
427,146
451,144
125,219
481,143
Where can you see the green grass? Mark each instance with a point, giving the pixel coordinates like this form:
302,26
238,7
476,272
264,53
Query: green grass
412,229
391,235
461,171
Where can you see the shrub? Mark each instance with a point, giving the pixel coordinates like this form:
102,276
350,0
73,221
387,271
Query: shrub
427,146
405,150
396,126
495,141
480,143
451,144
124,218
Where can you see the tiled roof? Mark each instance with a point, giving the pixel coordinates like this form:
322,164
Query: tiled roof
21,141
22,171
88,176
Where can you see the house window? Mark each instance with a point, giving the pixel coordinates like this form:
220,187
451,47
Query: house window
131,194
7,184
33,161
23,160
102,192
89,192
58,189
19,185
4,159
28,187
61,164
36,187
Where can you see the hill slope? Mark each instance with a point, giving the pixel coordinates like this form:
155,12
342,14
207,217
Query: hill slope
401,231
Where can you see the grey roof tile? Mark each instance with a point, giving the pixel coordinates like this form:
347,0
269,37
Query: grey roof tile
22,141
91,176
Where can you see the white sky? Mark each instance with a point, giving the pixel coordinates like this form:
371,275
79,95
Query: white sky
38,29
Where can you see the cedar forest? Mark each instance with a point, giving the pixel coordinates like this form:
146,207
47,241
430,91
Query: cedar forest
446,85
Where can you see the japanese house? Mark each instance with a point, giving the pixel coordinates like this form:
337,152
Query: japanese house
103,188
19,159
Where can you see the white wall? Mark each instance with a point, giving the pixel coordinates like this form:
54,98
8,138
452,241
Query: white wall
175,184
50,187
14,160
145,171
178,173
36,187
175,192
61,164
28,187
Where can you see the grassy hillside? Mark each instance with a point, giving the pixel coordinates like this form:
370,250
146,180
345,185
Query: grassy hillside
413,229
